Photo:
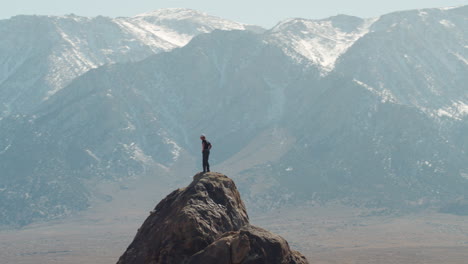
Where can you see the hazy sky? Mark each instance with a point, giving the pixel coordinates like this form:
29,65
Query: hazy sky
261,12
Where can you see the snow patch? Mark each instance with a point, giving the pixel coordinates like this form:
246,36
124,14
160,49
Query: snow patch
145,36
90,153
385,94
172,14
449,8
130,125
68,62
456,111
137,153
107,51
464,175
423,14
447,23
424,163
318,41
175,148
461,57
6,149
179,14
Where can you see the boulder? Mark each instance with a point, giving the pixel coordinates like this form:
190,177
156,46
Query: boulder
249,245
206,222
187,221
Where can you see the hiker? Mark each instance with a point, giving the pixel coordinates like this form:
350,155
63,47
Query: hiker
206,146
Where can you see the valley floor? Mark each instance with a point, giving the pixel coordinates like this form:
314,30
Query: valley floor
326,235
338,235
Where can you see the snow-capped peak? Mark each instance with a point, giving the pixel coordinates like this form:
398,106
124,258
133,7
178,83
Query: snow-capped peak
173,26
450,7
78,44
322,42
173,13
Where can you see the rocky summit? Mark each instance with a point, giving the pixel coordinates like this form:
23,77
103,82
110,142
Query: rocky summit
206,222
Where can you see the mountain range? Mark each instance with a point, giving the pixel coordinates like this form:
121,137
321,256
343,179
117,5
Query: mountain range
368,112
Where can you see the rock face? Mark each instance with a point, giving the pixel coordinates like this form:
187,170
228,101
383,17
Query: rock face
205,222
250,245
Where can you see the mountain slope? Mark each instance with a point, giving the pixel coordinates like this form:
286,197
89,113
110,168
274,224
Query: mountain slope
321,42
371,131
404,118
125,120
40,55
417,58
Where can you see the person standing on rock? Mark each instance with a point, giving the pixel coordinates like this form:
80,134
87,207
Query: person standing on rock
206,146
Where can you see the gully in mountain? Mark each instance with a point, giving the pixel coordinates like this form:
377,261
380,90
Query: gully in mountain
206,146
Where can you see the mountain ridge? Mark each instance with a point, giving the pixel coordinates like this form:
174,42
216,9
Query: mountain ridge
379,118
68,46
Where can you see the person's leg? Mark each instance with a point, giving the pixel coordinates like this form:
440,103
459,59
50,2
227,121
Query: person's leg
203,161
207,161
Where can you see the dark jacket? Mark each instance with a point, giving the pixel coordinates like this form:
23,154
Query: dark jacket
206,145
